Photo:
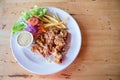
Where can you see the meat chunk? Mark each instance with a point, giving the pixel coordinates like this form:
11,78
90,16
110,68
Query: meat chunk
59,41
64,32
56,30
52,43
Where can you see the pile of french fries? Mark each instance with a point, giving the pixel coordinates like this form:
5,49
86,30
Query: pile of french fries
53,21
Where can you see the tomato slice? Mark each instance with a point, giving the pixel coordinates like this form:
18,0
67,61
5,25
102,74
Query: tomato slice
33,21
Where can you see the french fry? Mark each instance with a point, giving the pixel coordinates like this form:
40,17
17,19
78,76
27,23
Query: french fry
40,18
57,17
56,21
58,24
53,21
51,18
64,21
47,20
54,17
54,24
50,25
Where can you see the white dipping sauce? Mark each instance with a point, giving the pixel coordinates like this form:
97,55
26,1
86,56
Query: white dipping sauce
24,39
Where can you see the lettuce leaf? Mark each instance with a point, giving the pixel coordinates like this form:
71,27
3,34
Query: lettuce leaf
38,11
18,27
34,11
26,15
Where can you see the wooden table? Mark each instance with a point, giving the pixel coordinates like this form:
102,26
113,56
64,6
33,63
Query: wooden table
99,57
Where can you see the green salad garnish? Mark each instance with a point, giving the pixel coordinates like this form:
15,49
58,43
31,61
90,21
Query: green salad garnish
18,27
22,21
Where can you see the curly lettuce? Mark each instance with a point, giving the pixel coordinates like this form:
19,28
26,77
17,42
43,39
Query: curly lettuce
18,27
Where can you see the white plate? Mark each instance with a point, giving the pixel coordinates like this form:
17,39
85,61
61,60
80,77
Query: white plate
35,63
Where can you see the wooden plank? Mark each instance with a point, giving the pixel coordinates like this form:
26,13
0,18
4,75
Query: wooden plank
99,22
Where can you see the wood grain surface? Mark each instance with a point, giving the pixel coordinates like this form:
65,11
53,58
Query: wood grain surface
99,57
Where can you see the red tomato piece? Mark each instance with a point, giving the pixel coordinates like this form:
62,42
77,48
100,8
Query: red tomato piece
33,21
